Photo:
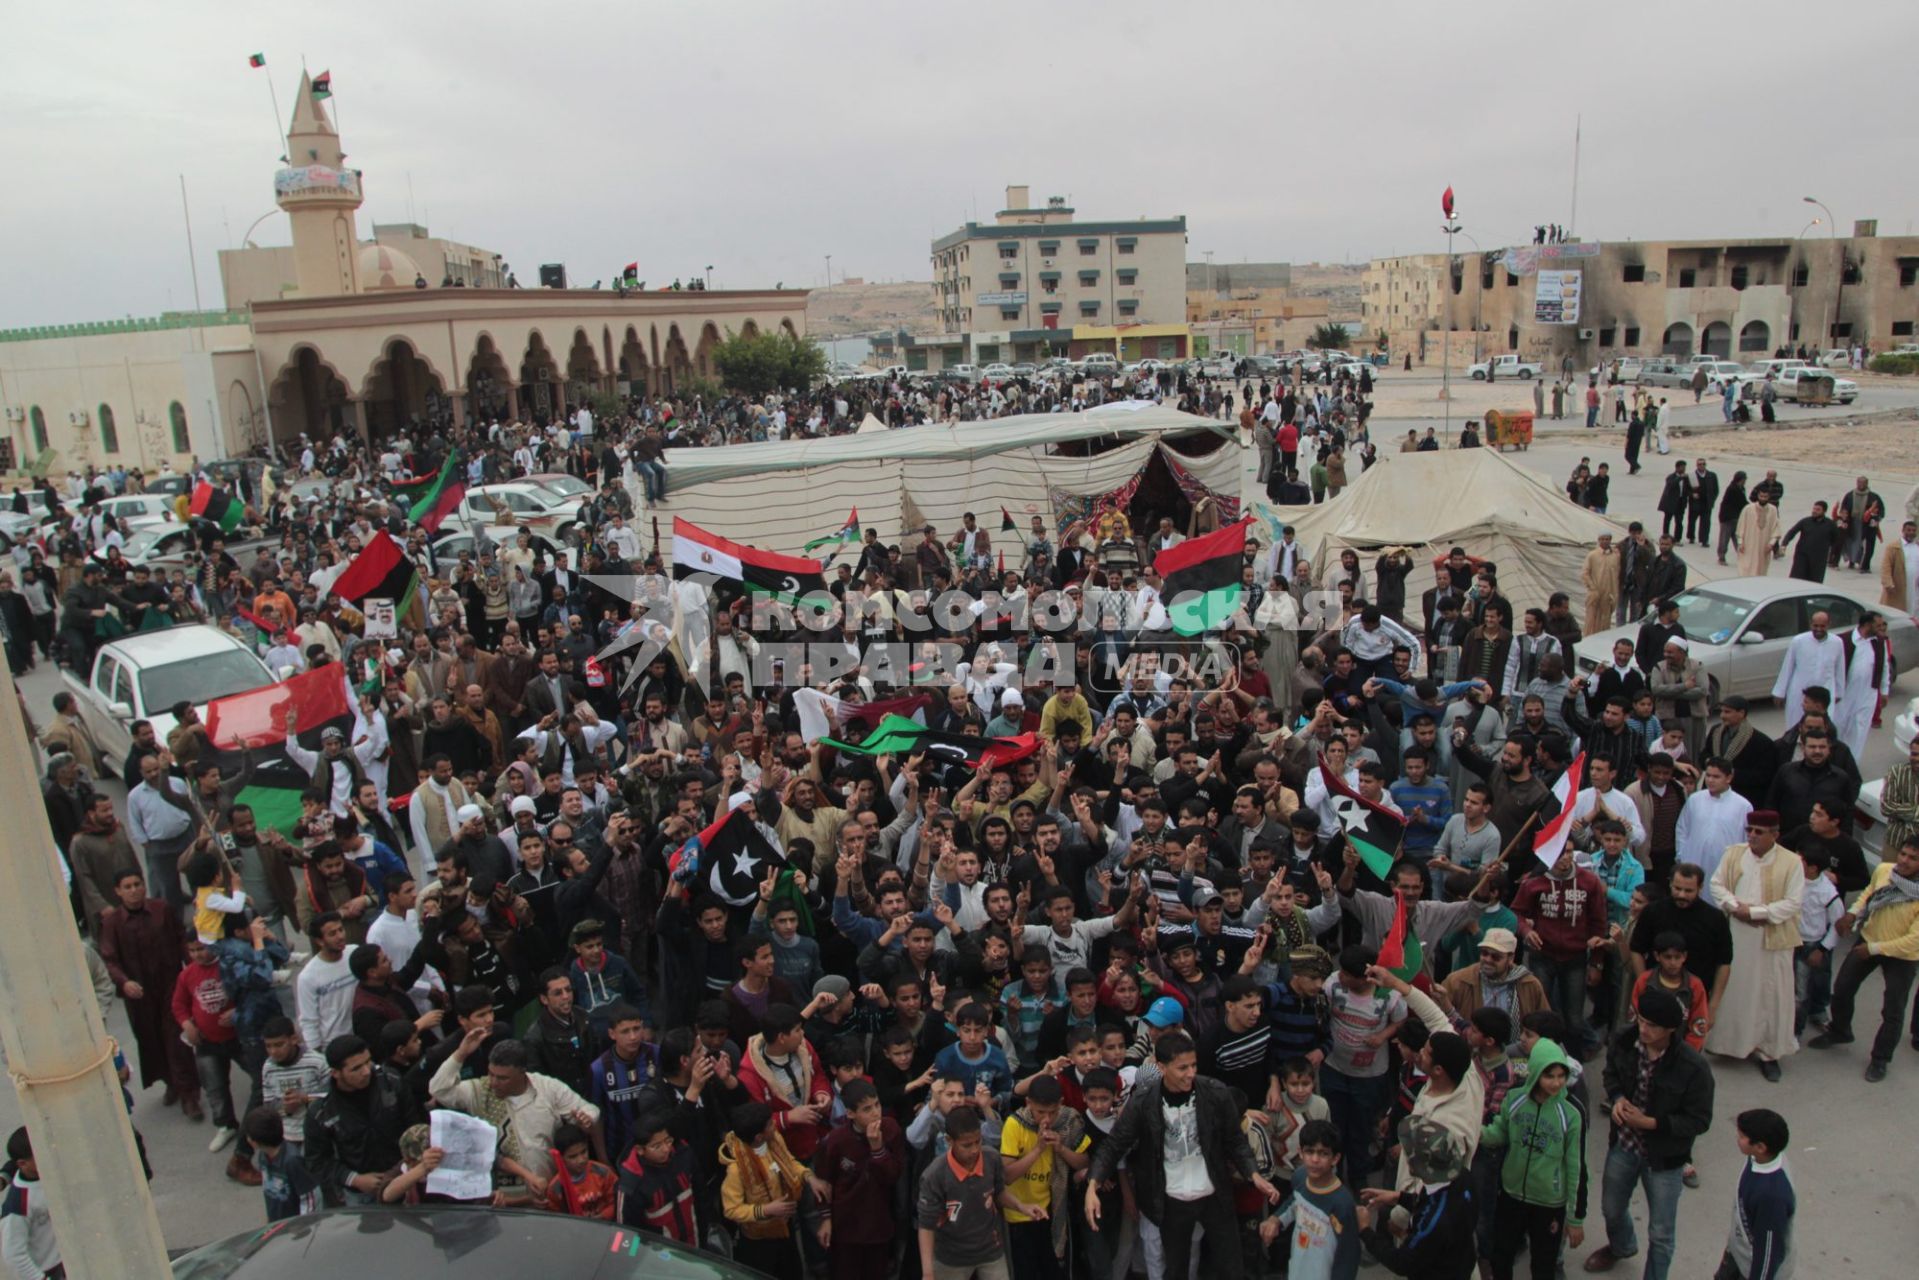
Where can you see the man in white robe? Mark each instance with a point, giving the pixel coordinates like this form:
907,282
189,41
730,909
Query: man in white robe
1812,659
1760,887
1713,819
1758,527
1868,678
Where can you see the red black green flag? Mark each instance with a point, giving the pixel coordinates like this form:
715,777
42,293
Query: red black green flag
256,60
323,85
216,505
382,571
431,508
1200,579
248,733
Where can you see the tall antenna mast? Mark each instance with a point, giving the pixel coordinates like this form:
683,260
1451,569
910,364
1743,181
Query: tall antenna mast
1572,220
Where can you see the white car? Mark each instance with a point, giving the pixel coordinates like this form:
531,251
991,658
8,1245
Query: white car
1836,358
144,676
998,371
140,510
530,503
1101,364
1844,390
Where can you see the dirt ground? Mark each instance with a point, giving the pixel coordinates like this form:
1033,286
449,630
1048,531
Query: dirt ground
1877,449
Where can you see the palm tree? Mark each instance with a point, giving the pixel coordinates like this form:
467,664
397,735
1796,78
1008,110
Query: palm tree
1329,337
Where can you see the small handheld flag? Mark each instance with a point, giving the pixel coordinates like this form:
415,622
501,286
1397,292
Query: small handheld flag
1006,520
257,60
845,535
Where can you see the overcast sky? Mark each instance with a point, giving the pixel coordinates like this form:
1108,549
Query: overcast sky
760,136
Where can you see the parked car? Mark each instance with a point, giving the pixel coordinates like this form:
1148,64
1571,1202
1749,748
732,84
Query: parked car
140,510
165,547
998,371
1738,630
143,676
963,372
1506,366
1837,358
1100,364
1800,385
448,547
1665,372
532,504
1025,369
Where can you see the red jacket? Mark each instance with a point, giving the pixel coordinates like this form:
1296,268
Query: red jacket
200,996
863,1181
801,1139
1564,913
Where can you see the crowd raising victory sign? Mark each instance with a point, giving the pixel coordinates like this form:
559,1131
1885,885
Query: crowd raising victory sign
1035,955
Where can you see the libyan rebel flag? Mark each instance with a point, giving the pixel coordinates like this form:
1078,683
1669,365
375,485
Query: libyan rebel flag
382,572
248,733
729,859
845,536
431,508
740,568
1374,831
1200,579
216,505
898,736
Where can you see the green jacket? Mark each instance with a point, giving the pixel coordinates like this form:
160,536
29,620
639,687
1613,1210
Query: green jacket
1543,1141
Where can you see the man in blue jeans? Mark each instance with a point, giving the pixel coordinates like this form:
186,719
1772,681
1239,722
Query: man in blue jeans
1659,1094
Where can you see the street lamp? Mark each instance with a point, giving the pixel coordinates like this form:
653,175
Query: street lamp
829,271
1451,228
1832,233
1479,296
709,275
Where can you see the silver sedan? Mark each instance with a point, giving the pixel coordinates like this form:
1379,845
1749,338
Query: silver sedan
1738,629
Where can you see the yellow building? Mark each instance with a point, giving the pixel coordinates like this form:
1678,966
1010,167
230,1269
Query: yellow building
334,334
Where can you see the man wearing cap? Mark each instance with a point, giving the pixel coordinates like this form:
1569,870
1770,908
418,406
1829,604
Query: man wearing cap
1496,982
337,768
1760,887
1659,1094
1679,692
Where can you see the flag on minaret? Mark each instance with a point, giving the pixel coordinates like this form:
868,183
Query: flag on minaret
257,60
323,85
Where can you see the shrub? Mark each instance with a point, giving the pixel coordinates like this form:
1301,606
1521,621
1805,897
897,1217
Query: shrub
1904,365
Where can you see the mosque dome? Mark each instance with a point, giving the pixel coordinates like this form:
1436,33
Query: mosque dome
384,268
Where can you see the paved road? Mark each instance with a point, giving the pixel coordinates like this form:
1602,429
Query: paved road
1856,1208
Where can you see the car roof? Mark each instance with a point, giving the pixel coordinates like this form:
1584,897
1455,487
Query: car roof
175,644
1765,588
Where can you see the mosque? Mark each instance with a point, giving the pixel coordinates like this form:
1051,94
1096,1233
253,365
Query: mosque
338,334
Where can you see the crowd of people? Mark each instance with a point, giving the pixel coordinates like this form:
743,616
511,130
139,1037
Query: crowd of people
1138,982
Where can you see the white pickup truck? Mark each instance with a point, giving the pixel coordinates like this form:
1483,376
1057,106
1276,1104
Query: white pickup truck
1504,367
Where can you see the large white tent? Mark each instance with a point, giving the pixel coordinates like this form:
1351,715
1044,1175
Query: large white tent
1478,499
780,495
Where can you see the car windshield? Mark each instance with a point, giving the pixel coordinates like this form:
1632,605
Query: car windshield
201,680
566,486
143,543
1710,616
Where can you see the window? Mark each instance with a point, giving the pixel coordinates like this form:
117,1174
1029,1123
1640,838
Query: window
1908,273
1902,328
1087,248
1800,274
1632,335
1049,283
39,420
1841,613
1128,275
1633,273
1851,274
1511,280
1795,331
1740,277
1459,277
1606,337
1842,330
1779,620
1126,244
1048,248
1088,307
109,433
1009,313
1486,278
1009,278
1128,307
1009,250
1089,277
1686,277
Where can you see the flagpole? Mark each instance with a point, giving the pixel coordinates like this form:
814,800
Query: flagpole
279,121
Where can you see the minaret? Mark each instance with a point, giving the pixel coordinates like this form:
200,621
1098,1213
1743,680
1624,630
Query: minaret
319,195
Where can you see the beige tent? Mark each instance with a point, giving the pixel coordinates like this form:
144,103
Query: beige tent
779,495
1473,498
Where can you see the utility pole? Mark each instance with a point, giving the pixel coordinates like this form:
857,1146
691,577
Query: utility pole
1451,228
58,1052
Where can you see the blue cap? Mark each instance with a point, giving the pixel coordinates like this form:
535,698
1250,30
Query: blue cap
1165,1012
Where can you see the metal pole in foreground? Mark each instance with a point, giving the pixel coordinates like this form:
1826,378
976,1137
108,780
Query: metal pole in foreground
58,1053
1446,335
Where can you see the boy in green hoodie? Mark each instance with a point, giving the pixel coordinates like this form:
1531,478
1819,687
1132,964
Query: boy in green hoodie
1543,1135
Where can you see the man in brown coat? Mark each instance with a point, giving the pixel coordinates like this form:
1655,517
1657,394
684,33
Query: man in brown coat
1496,981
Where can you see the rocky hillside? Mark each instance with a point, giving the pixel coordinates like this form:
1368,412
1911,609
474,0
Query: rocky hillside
847,309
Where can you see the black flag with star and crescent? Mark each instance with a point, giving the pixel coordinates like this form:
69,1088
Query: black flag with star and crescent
729,859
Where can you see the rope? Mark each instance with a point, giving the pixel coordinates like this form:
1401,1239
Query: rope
22,1081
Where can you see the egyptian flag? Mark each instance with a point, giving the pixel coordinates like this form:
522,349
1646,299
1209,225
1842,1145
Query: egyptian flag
216,505
1551,840
741,568
442,498
381,571
1006,524
1200,579
251,728
729,859
1374,831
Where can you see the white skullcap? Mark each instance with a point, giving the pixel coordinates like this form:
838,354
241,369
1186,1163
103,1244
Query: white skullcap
1012,698
737,799
468,812
521,804
1677,642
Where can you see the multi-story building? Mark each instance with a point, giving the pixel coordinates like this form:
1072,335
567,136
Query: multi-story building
1036,283
1736,299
